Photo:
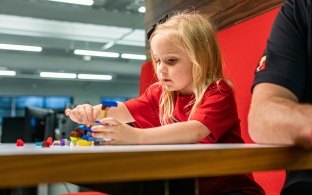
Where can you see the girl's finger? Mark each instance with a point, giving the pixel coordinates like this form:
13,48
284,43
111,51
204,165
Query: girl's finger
68,112
109,121
102,129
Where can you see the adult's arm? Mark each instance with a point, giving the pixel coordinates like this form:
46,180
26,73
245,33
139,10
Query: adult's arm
276,117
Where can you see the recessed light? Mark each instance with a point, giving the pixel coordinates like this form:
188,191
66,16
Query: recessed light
133,56
79,2
96,53
58,75
20,47
7,73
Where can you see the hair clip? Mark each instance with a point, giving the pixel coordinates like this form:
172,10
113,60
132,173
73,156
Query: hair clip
152,29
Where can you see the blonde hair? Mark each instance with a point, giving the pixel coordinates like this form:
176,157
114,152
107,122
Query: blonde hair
195,35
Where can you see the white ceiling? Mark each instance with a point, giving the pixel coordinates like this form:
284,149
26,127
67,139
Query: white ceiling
60,28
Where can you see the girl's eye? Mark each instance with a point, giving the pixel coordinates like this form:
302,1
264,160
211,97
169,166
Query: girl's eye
172,61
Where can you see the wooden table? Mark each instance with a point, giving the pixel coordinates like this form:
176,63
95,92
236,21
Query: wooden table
31,165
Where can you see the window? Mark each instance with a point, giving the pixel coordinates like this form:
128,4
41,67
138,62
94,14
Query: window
30,101
57,102
14,106
117,99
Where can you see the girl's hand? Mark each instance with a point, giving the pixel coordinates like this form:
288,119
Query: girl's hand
84,114
119,133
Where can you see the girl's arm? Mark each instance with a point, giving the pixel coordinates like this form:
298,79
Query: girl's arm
88,114
176,133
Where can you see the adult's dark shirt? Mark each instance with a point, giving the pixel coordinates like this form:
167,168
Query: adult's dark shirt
289,64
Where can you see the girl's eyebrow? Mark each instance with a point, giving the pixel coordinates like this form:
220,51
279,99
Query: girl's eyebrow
154,56
173,56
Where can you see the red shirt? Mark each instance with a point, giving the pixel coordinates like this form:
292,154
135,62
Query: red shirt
218,112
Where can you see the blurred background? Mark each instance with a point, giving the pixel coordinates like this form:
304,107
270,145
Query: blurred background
98,46
65,35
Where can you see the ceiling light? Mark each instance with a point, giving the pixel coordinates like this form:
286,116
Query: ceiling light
108,45
141,9
20,47
96,53
80,2
58,75
133,56
86,58
95,77
7,73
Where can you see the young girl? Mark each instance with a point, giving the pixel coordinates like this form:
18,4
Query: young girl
191,103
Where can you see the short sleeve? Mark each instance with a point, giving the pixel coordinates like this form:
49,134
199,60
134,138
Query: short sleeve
286,53
145,108
218,111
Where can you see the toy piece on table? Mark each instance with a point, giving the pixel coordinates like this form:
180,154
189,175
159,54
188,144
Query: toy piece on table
19,142
45,144
83,142
82,132
48,142
76,135
84,128
56,143
63,142
82,135
106,105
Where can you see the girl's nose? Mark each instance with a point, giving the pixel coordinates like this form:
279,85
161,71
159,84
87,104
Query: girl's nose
161,68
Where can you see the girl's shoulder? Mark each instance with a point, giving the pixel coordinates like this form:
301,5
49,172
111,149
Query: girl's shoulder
154,90
155,87
222,86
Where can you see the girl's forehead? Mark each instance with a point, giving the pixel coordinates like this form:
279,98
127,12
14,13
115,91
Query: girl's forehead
162,43
161,35
169,50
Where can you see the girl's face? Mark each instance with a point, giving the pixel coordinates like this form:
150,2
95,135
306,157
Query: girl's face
173,67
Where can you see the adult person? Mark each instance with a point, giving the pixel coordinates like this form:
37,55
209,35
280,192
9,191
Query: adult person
281,109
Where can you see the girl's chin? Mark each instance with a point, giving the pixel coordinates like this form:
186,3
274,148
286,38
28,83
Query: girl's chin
181,91
168,88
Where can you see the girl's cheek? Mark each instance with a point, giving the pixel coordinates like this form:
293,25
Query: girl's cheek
157,74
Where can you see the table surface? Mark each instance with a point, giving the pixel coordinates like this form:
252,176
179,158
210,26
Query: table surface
30,165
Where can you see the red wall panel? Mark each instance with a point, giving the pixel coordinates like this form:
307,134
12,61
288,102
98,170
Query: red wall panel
242,46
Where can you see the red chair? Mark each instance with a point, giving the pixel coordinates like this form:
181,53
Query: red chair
242,46
147,76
